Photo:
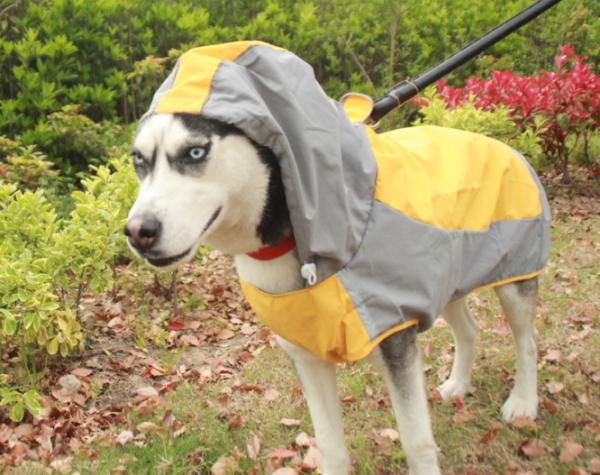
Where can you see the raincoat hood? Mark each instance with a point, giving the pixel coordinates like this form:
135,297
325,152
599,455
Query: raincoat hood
273,96
397,224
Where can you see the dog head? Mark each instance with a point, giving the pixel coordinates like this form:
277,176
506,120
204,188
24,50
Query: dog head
201,181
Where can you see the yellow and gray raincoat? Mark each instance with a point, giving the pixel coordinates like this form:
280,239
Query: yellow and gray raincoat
397,224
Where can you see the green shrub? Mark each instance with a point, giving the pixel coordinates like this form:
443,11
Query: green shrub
48,264
23,166
74,141
496,124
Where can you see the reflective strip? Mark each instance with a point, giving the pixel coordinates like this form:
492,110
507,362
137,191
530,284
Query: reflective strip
478,181
320,319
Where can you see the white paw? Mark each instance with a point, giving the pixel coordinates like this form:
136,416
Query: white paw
453,388
519,406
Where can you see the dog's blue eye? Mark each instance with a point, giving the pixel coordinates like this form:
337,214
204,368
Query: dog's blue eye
138,159
196,153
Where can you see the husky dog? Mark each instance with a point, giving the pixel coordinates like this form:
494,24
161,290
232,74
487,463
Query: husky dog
203,179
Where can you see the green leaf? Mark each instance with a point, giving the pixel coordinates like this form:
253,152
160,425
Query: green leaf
16,412
49,306
10,397
10,326
53,346
7,314
31,401
22,295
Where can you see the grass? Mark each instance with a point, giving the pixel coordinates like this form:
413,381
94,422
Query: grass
569,295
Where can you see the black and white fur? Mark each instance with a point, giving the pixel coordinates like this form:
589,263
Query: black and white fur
202,181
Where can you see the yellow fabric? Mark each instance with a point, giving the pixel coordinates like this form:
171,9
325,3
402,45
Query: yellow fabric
358,108
508,281
477,181
192,85
321,319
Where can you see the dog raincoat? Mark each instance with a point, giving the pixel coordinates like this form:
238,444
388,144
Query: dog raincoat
397,224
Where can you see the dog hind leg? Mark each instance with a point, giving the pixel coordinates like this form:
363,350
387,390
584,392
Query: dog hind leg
400,363
519,301
464,328
318,381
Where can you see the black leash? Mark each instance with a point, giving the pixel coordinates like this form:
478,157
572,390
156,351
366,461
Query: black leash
408,89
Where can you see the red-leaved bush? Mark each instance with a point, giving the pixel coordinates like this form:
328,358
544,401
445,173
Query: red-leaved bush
567,100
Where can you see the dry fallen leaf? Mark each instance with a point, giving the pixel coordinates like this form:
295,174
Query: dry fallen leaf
549,406
253,448
313,459
236,421
555,387
289,422
520,422
146,392
271,395
224,466
595,465
23,430
570,451
225,335
303,440
391,434
489,436
81,372
62,464
572,357
553,356
282,453
462,416
443,373
124,437
531,448
594,427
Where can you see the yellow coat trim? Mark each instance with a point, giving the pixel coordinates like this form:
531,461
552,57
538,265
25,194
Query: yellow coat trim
479,181
192,84
508,281
321,319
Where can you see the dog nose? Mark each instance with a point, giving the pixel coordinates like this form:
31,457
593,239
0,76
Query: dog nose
142,232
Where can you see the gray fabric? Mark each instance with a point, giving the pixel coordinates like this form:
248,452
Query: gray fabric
275,99
406,269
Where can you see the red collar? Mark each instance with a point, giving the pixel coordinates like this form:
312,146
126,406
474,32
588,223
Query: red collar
269,253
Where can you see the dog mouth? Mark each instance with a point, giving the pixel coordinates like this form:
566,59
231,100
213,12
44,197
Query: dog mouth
168,261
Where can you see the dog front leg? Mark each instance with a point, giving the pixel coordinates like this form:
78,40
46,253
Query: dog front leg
400,362
318,381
